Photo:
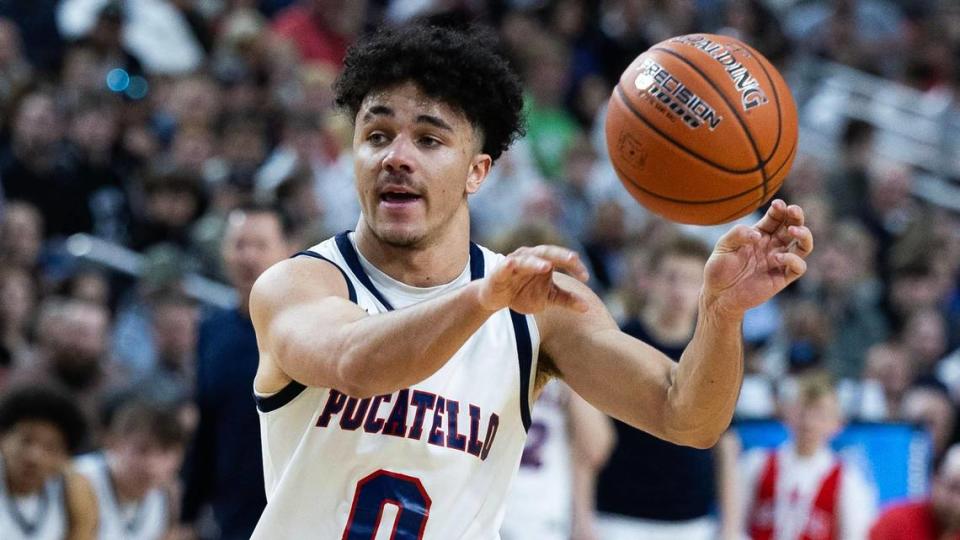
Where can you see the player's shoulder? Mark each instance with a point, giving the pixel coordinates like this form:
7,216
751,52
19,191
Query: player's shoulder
306,274
88,464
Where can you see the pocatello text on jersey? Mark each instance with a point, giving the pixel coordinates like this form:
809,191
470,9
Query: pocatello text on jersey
441,421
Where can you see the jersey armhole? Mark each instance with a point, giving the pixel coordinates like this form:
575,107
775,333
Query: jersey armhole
351,291
527,364
272,402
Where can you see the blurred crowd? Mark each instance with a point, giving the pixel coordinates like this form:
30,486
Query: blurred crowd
201,134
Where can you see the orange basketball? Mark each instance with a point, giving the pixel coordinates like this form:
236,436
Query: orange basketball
701,129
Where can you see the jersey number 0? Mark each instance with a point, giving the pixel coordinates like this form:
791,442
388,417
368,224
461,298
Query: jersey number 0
380,488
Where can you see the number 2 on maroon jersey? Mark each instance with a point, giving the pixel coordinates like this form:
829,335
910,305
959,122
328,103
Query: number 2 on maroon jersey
380,488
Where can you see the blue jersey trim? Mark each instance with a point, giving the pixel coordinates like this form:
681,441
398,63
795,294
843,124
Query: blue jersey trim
281,398
353,261
525,356
476,262
350,290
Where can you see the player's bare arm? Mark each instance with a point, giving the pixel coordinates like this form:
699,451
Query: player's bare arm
81,507
310,332
690,402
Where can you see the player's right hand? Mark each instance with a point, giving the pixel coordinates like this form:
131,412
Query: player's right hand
524,281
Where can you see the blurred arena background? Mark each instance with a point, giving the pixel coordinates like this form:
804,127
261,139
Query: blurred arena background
131,131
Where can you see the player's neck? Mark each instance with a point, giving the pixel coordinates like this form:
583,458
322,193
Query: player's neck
436,262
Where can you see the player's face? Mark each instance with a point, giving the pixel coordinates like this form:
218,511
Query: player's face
34,450
415,160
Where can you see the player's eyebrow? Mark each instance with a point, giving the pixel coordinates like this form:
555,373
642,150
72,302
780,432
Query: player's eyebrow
383,110
377,110
434,121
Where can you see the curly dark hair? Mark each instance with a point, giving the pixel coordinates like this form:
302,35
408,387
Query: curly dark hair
463,67
46,404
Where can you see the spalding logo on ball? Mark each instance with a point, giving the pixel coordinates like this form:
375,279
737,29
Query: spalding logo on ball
701,129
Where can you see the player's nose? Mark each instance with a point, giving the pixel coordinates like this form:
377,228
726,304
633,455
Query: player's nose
399,156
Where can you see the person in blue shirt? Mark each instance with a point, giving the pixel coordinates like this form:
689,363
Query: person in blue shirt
224,467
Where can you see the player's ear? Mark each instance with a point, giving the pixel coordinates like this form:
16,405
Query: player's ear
479,169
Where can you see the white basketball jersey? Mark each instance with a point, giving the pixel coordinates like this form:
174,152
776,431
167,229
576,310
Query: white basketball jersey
433,461
539,504
40,517
147,519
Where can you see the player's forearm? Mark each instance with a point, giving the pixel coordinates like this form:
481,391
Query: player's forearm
707,380
386,352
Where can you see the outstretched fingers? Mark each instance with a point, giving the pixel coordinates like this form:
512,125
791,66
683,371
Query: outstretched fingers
737,237
774,218
560,258
801,240
567,299
793,265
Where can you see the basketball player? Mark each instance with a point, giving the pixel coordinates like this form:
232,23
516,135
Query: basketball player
398,362
803,490
552,496
39,498
133,477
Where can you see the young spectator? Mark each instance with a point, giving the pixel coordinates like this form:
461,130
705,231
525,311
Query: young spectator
650,488
21,236
803,490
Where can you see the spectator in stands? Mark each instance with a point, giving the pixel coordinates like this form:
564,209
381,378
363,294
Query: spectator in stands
888,364
21,236
42,43
753,22
803,489
933,518
650,488
890,207
221,472
848,185
913,286
39,498
134,476
174,320
925,337
551,130
18,291
72,354
34,167
171,203
93,135
15,71
105,39
156,32
321,29
929,405
850,295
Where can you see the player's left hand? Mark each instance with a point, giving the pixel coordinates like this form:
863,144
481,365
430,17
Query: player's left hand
751,264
